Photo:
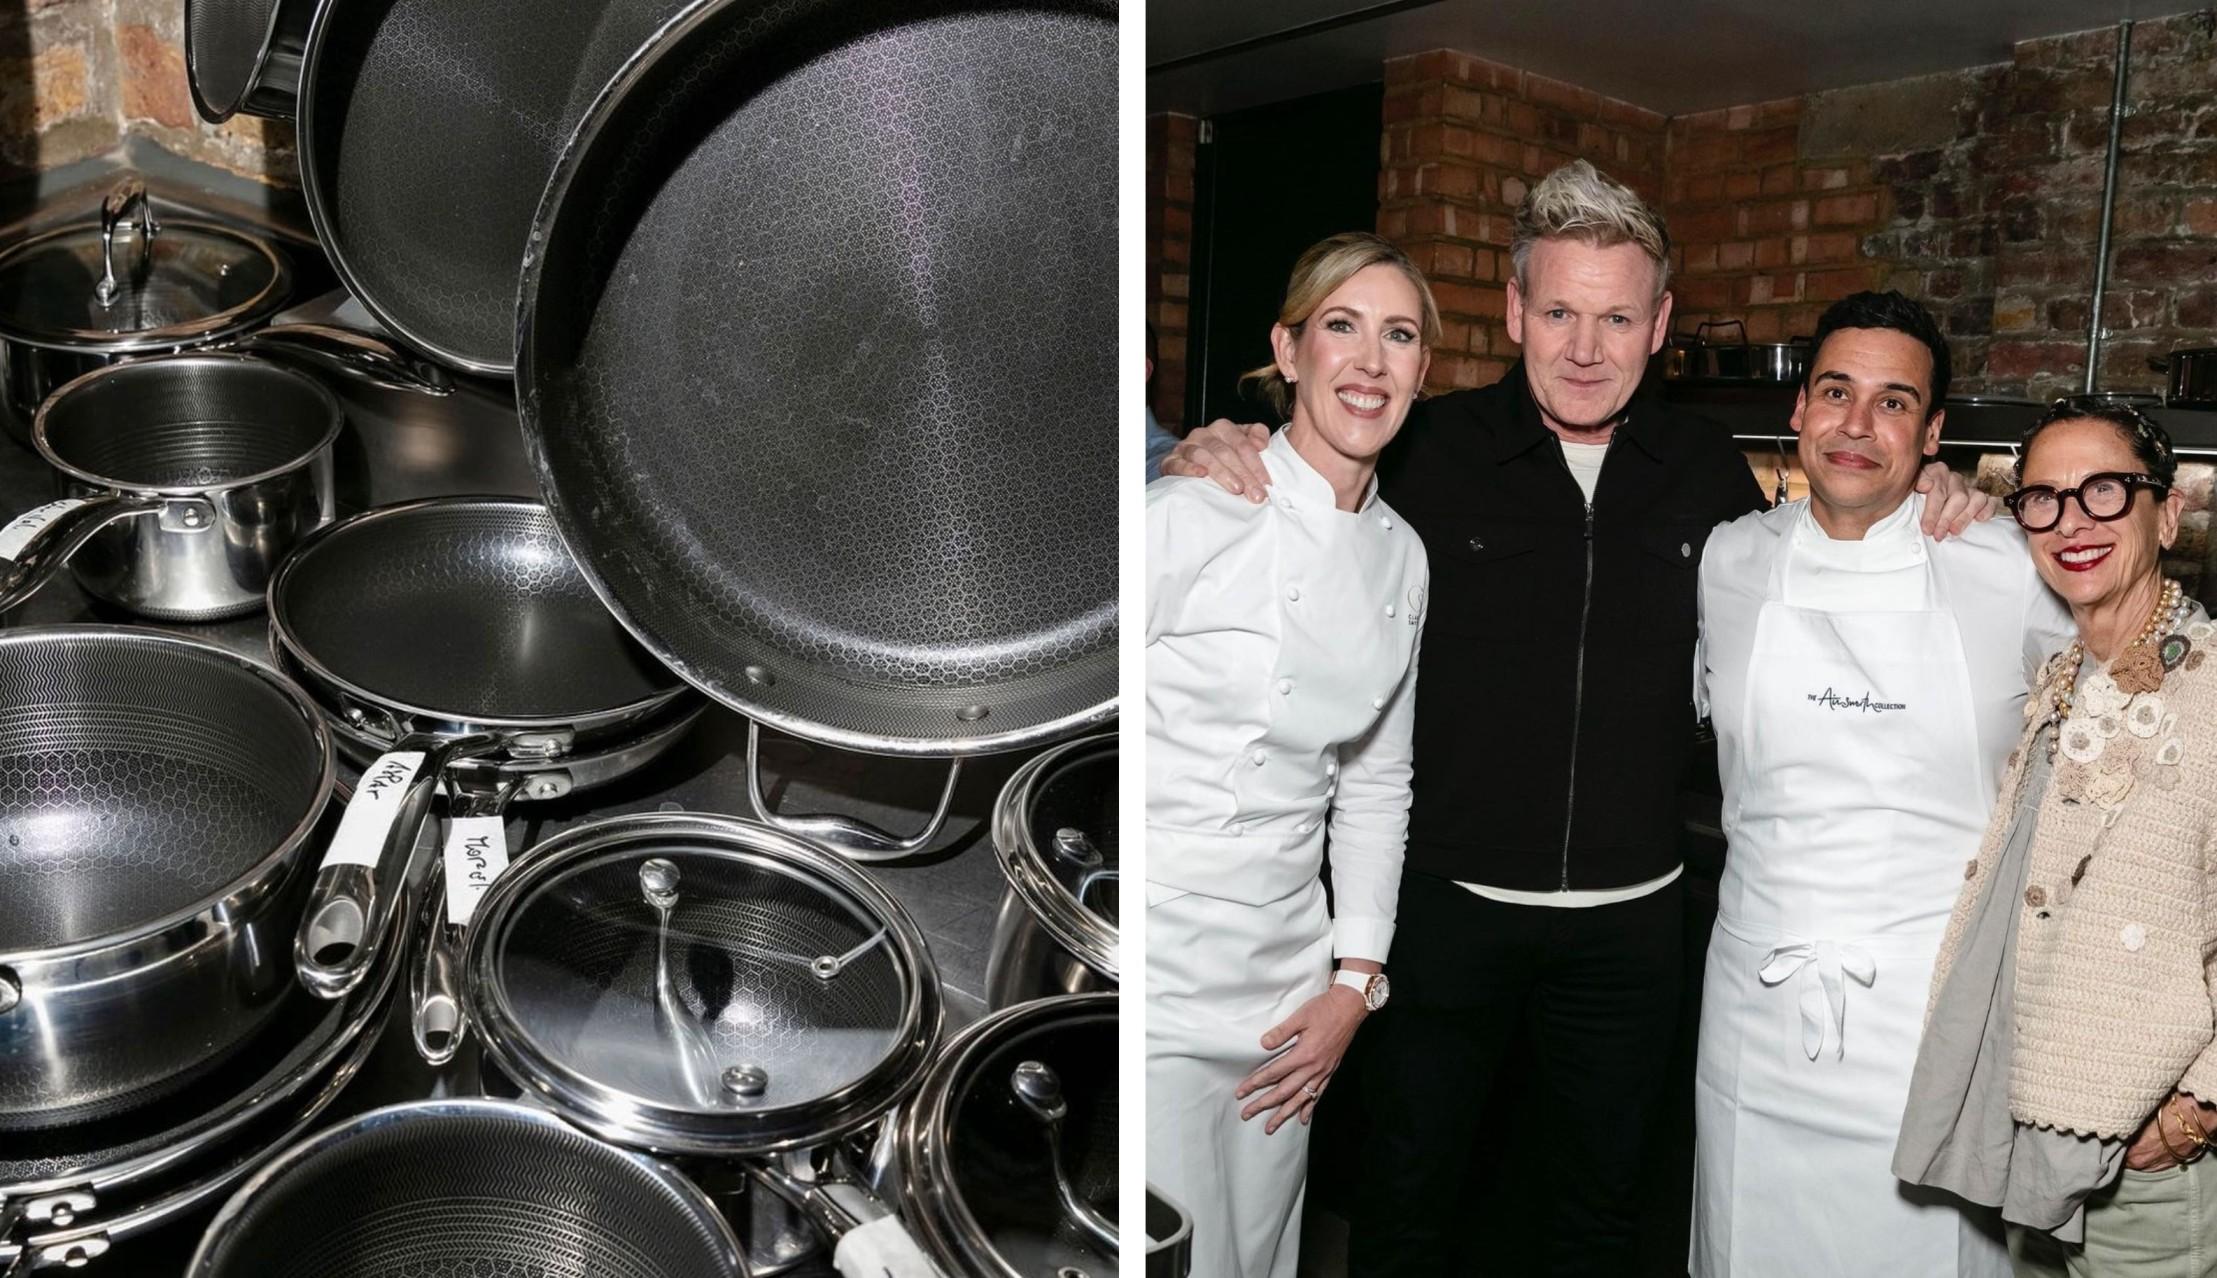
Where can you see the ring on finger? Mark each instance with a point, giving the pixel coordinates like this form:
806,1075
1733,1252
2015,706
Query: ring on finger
1310,1088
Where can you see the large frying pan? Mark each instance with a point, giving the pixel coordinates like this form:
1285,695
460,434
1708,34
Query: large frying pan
816,364
427,129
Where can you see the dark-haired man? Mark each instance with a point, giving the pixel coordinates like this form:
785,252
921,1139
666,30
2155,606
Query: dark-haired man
1865,683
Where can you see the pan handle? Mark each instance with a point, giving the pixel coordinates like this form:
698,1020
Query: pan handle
115,211
855,839
356,355
476,854
368,867
868,1239
37,543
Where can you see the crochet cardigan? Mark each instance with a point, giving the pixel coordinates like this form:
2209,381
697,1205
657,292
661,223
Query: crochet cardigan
2114,982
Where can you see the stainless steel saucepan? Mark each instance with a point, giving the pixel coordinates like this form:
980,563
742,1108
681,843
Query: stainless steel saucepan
157,796
187,478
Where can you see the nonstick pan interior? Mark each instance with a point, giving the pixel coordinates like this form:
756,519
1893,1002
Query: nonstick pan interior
820,366
138,776
471,609
428,128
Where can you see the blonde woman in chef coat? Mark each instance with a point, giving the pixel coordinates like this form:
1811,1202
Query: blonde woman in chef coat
1281,671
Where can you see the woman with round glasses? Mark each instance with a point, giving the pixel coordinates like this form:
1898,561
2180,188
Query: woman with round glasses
2068,1049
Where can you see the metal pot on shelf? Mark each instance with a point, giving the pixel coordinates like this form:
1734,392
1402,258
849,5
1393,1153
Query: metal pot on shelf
1055,832
2193,377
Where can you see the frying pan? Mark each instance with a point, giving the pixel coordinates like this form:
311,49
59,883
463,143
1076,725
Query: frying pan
815,363
244,55
427,129
506,657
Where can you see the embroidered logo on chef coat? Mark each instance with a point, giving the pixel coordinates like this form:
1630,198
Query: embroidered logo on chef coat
1831,700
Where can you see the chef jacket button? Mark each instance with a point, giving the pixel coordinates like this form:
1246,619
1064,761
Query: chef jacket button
1389,610
1477,543
1285,687
1293,593
1685,550
1258,758
2036,896
1377,703
1384,522
1307,827
1331,767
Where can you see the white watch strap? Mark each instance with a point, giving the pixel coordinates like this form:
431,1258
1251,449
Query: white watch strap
1354,980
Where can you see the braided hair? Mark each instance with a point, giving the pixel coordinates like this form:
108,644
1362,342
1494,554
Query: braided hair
2150,443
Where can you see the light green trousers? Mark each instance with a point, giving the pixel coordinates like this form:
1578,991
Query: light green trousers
2147,1225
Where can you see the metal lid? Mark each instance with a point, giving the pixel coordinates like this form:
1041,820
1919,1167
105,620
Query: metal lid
1055,828
982,1179
701,984
191,282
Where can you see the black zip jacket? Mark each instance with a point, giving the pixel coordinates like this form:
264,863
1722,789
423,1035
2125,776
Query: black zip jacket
1554,704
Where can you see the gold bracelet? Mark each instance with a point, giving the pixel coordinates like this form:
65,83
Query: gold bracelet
2189,1127
2192,1150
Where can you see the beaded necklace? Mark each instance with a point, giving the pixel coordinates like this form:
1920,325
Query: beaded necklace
2162,619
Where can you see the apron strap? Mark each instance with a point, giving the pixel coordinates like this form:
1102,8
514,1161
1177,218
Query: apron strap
1824,968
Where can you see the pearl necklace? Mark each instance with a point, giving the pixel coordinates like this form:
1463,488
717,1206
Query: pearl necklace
2161,620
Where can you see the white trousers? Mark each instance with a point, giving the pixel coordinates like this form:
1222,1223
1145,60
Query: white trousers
1219,975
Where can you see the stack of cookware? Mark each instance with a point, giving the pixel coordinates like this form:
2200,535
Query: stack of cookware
809,313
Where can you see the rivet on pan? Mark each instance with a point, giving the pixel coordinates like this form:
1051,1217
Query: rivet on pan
747,1081
758,675
1072,845
971,714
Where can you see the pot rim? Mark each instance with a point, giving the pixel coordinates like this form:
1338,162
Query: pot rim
326,402
231,322
254,874
283,638
1088,937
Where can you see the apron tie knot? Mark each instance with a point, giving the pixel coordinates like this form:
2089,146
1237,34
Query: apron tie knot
1825,968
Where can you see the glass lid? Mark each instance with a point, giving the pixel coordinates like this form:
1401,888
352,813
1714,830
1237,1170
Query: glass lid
1022,1116
690,992
192,280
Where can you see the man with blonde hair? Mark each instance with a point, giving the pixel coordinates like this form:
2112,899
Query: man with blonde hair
1564,512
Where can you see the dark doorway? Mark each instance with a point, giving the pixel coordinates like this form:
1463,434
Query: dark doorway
1269,182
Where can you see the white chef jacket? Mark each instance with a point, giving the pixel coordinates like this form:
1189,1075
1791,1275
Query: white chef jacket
1281,683
2011,621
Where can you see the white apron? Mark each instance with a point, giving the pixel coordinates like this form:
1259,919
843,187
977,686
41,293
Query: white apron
1219,974
1859,794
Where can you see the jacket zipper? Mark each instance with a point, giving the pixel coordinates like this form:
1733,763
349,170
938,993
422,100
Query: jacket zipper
1578,699
1578,683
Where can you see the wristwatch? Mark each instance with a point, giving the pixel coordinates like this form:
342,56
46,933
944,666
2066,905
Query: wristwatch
1371,985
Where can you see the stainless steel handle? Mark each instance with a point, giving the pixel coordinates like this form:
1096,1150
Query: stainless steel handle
838,1206
437,1019
114,212
351,907
356,355
50,534
855,839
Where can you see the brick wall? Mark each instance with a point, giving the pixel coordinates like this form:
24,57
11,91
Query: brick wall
1462,139
1170,156
1762,233
79,76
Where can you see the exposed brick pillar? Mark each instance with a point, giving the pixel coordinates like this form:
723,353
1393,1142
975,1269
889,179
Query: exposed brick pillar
1170,153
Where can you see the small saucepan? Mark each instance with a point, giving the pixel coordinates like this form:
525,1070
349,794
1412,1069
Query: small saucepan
186,479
